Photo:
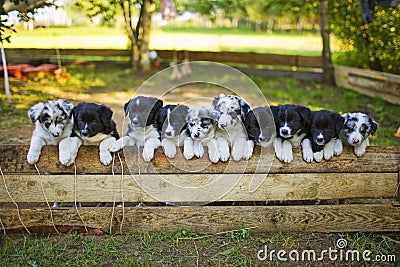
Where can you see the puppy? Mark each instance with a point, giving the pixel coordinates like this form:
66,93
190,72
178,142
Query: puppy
201,131
323,136
142,128
292,125
92,126
53,123
357,128
231,132
171,123
260,125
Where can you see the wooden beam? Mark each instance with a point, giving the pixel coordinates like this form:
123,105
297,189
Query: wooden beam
199,187
376,160
212,219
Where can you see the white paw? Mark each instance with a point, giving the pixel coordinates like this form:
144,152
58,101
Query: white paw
66,158
147,154
116,145
198,149
308,155
338,148
359,152
328,152
318,156
287,155
33,157
169,149
224,154
188,152
213,155
105,158
249,150
237,153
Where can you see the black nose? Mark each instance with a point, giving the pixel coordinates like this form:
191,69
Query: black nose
320,139
196,135
56,134
84,132
261,139
284,131
168,134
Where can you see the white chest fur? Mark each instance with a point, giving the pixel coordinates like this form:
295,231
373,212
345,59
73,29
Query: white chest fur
141,134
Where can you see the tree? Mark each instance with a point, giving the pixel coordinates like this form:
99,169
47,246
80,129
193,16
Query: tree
138,33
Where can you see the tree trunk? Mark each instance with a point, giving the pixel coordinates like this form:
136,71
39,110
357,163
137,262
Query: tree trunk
143,30
327,76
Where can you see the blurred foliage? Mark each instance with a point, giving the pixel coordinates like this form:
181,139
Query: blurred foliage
375,45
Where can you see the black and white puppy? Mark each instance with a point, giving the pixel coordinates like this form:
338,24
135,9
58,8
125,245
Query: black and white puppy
357,128
201,130
260,125
142,128
53,123
171,123
231,132
292,125
93,125
323,137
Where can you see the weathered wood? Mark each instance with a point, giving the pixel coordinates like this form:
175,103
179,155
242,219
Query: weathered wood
203,187
214,219
224,57
376,160
370,83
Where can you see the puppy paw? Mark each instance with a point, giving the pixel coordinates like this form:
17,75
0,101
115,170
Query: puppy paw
328,152
224,154
147,154
213,155
287,156
249,150
338,148
237,152
359,152
169,149
308,154
188,152
318,156
32,157
66,158
105,158
198,149
116,145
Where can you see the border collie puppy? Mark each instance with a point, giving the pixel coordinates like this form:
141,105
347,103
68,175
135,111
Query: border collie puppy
171,123
292,124
53,123
201,131
231,132
142,128
92,126
323,137
260,125
357,128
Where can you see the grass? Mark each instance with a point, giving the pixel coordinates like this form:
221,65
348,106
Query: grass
180,38
184,248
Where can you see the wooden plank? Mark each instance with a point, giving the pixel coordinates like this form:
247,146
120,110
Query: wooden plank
214,219
225,57
199,187
376,159
370,83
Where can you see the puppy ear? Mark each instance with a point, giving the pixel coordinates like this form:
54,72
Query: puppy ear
250,120
244,108
216,99
374,126
35,111
339,122
345,116
305,113
105,114
158,105
214,116
275,110
66,106
126,107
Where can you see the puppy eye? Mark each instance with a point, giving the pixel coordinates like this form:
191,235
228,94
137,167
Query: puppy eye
47,124
191,124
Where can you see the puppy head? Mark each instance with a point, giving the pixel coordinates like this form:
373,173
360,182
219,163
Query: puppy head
52,116
231,109
260,124
357,127
142,110
325,125
91,119
200,121
292,119
171,120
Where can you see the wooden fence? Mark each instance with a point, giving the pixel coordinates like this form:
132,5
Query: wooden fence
356,194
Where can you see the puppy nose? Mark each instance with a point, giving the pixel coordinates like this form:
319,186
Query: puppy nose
56,134
355,140
261,139
168,134
196,135
319,139
84,132
284,131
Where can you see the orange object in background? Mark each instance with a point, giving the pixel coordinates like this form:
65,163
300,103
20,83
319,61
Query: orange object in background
397,134
19,71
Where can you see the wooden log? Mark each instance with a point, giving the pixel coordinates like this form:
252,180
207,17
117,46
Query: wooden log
376,160
214,219
198,187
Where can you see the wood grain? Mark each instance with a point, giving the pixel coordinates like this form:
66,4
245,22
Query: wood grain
214,219
199,187
376,160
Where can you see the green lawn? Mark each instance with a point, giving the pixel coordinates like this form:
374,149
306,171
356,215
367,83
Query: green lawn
170,38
